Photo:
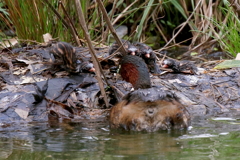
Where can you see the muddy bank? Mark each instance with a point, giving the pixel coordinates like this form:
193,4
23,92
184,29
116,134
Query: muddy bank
26,95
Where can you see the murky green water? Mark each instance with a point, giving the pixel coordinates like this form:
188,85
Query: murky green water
208,140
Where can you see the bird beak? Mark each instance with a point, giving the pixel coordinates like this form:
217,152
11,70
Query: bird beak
147,55
92,70
165,66
133,53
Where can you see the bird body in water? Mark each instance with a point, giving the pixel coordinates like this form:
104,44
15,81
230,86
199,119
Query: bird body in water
67,54
147,108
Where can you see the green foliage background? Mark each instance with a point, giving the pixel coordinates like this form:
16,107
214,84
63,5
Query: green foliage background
159,23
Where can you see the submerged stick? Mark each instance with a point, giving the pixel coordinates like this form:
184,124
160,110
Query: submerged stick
92,51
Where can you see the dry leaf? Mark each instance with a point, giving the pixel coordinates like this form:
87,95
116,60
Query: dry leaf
47,37
22,111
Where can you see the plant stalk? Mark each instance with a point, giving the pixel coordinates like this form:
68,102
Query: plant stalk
92,51
105,16
71,26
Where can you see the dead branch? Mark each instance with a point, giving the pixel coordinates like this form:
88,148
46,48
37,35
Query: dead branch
92,51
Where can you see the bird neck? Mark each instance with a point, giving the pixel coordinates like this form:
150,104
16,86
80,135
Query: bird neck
134,70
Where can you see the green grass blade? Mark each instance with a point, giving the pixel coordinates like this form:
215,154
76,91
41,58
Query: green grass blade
140,26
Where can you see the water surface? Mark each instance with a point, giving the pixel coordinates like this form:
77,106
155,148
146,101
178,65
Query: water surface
211,138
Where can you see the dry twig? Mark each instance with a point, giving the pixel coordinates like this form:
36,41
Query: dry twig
92,51
71,26
183,25
105,16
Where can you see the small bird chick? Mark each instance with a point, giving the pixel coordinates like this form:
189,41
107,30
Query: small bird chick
85,66
180,67
66,53
150,58
131,49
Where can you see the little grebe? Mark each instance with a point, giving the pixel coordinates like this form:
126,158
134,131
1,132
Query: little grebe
147,108
150,58
67,54
180,67
131,49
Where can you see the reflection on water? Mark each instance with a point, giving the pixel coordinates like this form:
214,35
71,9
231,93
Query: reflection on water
215,138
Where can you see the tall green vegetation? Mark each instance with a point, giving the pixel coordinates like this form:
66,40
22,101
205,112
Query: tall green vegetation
4,20
160,22
227,32
31,20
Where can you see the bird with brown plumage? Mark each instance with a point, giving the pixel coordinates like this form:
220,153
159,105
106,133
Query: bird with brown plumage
147,108
141,50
